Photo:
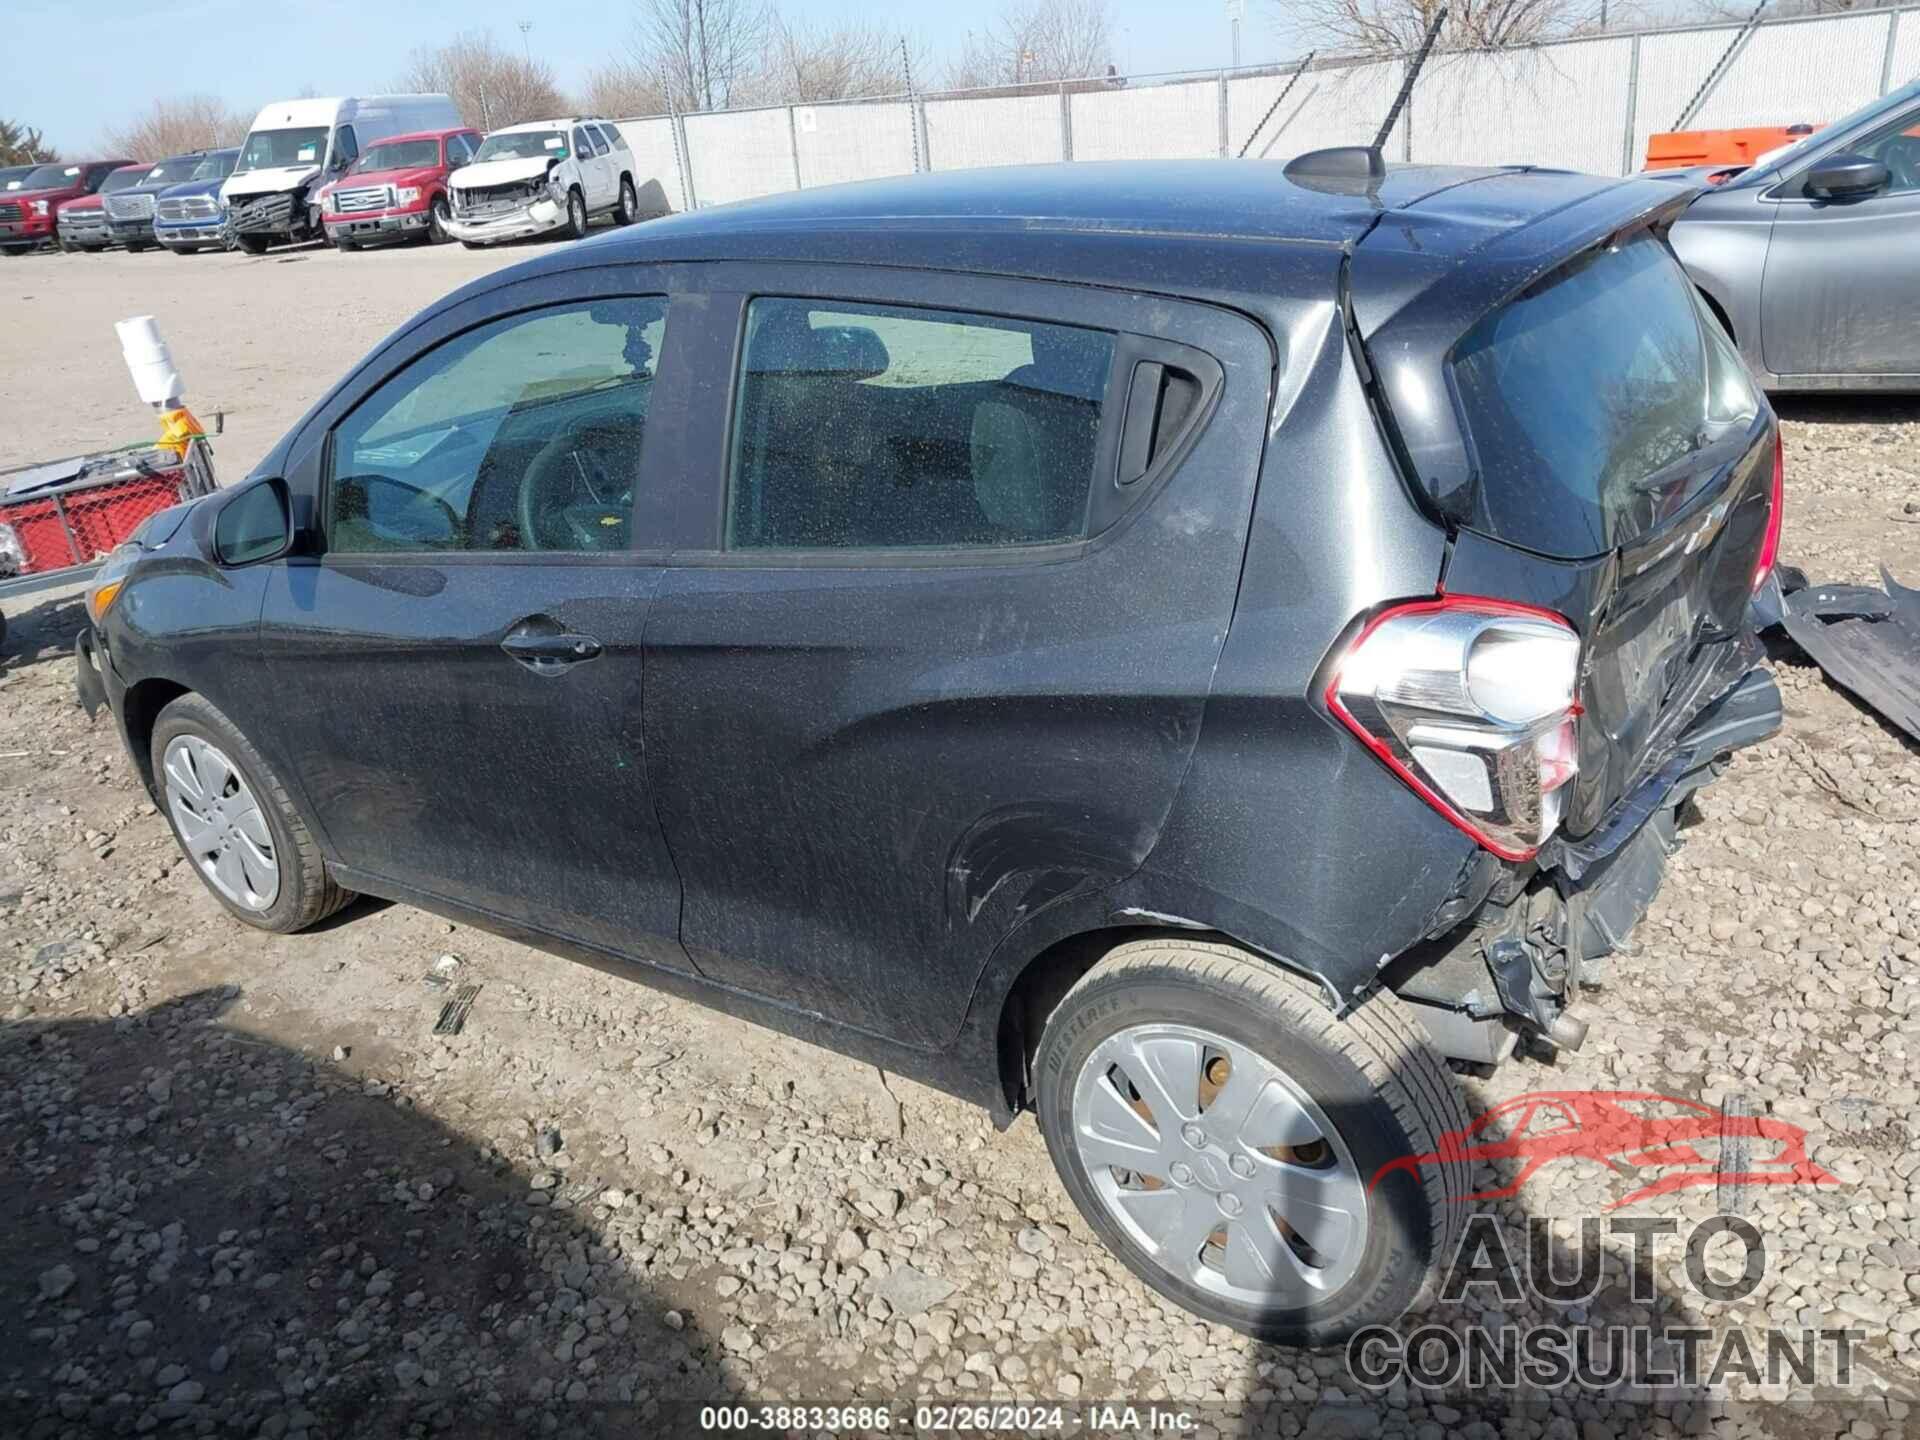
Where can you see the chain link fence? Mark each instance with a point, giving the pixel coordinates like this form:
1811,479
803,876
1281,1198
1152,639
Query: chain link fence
1587,104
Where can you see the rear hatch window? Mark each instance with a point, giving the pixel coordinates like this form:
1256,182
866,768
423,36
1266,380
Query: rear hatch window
1597,402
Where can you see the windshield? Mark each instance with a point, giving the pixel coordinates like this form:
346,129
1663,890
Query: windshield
11,179
523,145
51,177
398,155
123,179
266,149
216,166
1769,165
171,172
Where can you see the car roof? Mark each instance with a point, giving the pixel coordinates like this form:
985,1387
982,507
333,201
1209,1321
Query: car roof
422,135
557,123
1214,206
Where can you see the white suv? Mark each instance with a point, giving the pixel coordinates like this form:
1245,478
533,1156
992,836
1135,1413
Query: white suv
540,176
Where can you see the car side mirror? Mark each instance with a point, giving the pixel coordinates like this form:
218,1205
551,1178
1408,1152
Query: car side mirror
1847,176
255,525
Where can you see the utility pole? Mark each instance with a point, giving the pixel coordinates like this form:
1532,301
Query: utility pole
525,49
1236,12
706,74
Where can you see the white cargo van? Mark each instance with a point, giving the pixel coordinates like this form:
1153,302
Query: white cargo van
295,145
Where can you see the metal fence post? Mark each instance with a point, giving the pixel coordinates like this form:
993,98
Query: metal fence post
1886,60
1066,124
926,136
793,147
1633,107
1224,138
686,161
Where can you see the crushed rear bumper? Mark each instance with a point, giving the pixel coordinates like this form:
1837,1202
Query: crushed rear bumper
1864,640
1510,968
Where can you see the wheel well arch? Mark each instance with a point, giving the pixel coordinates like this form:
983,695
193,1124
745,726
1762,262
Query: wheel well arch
1045,979
140,709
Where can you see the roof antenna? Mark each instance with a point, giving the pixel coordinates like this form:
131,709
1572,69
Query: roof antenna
1413,74
1355,169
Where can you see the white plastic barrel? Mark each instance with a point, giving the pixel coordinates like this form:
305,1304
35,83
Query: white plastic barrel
149,361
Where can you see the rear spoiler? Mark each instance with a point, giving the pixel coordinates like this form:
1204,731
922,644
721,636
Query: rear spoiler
1411,294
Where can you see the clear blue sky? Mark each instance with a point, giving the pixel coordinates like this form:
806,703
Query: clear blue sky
76,67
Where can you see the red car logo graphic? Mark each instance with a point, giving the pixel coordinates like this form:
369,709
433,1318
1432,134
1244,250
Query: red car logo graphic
1630,1132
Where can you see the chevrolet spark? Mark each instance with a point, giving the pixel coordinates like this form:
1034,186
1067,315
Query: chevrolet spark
1191,650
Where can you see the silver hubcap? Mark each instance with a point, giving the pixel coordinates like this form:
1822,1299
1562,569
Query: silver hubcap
1219,1166
221,825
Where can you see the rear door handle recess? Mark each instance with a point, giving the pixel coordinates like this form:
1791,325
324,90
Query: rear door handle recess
550,653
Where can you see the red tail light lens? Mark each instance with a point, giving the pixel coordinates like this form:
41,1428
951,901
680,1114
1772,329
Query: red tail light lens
1471,702
1770,544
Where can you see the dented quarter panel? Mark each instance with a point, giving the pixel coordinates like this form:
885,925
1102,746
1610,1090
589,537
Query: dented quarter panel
871,773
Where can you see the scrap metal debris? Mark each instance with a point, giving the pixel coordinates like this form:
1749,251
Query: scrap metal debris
453,1015
1864,640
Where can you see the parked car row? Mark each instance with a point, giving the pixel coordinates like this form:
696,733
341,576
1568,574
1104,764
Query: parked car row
355,171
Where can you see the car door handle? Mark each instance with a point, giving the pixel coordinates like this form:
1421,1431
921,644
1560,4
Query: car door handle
549,654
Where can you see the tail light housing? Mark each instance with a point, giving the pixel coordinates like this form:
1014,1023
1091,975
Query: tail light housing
1776,500
1472,702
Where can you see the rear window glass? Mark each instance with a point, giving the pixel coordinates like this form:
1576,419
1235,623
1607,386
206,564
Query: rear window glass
1584,398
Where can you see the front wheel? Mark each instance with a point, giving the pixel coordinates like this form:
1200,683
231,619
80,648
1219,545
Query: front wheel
437,222
576,215
1229,1138
628,210
252,244
235,823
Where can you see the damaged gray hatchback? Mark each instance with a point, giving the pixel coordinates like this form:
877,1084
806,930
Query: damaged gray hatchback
1183,649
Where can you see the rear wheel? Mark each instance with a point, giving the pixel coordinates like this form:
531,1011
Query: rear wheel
1226,1135
576,215
235,823
628,210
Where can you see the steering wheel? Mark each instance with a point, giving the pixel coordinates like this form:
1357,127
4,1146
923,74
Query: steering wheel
572,471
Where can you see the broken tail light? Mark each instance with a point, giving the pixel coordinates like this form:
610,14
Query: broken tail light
1470,701
1770,542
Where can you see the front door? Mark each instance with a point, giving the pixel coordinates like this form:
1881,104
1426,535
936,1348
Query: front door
462,663
938,667
1841,294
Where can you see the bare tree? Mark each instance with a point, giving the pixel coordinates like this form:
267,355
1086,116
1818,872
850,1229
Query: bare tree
837,62
1396,27
23,145
1036,40
177,125
620,89
490,85
701,54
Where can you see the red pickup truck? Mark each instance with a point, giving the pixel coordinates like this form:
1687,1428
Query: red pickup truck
28,216
397,189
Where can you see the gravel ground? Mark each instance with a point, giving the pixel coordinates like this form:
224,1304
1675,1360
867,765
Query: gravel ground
248,1192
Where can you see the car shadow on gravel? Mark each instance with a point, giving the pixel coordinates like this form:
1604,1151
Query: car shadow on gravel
209,1231
1847,409
43,631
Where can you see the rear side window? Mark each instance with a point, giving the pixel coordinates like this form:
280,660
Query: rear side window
523,434
1584,397
883,428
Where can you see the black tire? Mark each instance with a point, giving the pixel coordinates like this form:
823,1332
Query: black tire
134,247
342,243
307,893
437,217
1736,1156
253,244
473,244
628,210
16,249
576,214
1375,1075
